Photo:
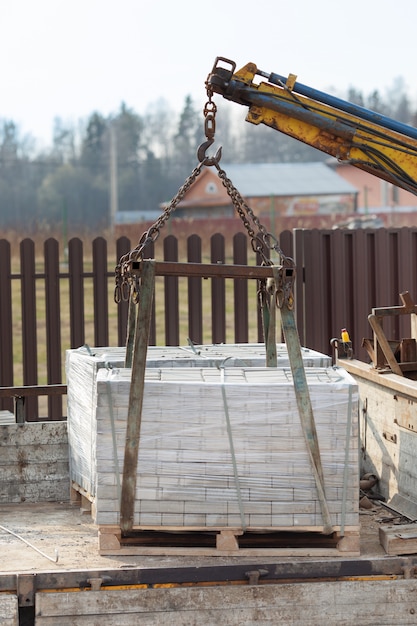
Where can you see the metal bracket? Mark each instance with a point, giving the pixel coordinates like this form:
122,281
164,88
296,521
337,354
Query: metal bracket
26,589
291,80
410,571
255,574
95,583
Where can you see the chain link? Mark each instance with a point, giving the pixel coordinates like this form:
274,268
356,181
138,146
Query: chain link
261,240
209,112
124,279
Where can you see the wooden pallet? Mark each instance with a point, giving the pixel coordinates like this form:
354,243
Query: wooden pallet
169,541
81,498
218,541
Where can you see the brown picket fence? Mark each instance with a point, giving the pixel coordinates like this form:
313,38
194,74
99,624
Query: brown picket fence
48,306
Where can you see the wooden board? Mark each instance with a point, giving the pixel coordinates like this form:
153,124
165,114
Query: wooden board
228,542
388,404
399,538
364,602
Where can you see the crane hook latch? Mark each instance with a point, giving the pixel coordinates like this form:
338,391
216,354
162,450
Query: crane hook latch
206,160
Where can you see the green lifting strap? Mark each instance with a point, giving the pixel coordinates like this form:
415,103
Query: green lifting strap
302,394
134,416
269,328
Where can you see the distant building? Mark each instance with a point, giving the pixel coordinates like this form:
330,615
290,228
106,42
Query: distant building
282,189
135,217
374,194
393,206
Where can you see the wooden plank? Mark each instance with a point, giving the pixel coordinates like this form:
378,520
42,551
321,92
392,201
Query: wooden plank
384,344
242,552
227,542
237,531
365,602
391,381
408,351
9,610
407,308
399,539
389,428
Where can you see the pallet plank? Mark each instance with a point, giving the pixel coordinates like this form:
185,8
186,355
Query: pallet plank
227,542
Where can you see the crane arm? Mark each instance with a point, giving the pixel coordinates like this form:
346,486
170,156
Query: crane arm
352,134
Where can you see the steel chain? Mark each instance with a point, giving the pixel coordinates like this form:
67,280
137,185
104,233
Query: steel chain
209,112
127,283
261,239
124,280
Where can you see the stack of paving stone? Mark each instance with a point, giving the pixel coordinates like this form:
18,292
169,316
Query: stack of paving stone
219,447
83,364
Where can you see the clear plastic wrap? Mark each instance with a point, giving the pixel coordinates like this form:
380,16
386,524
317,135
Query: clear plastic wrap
82,365
221,447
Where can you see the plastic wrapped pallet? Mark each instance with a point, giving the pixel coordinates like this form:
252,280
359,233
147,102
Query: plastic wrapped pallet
205,355
83,364
225,448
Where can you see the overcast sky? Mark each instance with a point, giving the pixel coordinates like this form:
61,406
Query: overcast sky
68,59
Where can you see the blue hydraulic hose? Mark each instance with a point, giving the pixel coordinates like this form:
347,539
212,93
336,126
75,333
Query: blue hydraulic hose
343,105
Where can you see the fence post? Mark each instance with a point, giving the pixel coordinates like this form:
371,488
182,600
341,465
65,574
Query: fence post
76,292
172,322
195,292
29,325
6,324
240,289
53,324
122,248
101,294
218,292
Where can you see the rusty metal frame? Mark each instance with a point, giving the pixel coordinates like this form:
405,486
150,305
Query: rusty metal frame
381,346
204,270
20,395
277,572
146,270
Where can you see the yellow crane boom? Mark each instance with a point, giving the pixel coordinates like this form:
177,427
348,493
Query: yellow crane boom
353,134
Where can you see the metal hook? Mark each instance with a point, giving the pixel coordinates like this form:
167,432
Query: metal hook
206,160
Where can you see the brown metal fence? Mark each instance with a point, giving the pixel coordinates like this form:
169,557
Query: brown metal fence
341,275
